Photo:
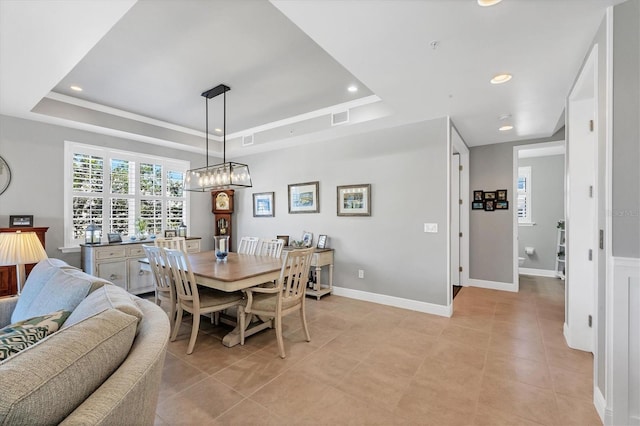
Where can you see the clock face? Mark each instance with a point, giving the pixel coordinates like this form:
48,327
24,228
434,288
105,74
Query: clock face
222,201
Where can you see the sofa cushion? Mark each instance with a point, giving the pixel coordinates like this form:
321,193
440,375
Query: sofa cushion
20,338
70,365
52,286
106,297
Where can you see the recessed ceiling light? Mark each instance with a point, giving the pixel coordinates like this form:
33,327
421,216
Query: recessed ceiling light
485,3
505,128
217,130
501,78
76,88
352,88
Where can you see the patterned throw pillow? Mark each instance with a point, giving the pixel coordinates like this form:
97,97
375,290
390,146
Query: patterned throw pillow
19,339
22,334
52,322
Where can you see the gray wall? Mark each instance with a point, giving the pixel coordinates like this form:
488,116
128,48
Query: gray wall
491,233
407,169
547,186
35,154
406,166
626,130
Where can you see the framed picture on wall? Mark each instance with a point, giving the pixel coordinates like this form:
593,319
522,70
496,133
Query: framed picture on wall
264,204
501,195
477,205
490,195
502,205
354,200
478,195
303,197
489,205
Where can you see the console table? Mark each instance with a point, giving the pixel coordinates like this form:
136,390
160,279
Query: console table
8,279
321,257
118,263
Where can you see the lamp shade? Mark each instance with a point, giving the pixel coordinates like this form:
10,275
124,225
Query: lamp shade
20,248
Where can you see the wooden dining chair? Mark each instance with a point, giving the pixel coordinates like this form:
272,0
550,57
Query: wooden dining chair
177,243
165,288
285,298
196,301
248,245
271,248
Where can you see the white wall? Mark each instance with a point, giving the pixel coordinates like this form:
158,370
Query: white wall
406,167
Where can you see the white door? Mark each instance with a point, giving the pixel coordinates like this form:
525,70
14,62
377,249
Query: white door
455,219
582,225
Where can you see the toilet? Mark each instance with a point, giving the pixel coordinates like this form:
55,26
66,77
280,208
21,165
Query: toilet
520,261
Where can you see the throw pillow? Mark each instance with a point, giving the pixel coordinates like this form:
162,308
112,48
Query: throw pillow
52,322
19,339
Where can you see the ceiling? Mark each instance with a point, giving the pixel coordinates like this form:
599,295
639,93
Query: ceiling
143,65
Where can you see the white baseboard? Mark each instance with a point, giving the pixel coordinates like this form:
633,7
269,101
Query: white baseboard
493,285
538,272
383,299
600,403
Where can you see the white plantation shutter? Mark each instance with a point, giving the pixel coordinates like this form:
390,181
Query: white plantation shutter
524,194
113,188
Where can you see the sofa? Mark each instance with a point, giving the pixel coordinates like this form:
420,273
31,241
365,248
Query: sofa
102,365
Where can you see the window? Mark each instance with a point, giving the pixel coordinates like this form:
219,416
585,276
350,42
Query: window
524,194
113,188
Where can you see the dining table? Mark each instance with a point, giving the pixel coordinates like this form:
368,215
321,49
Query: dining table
237,272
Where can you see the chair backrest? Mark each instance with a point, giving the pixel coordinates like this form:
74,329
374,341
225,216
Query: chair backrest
271,248
157,261
294,274
185,281
248,245
176,243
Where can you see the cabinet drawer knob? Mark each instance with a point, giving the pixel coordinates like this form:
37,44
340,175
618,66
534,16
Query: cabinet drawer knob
140,272
113,277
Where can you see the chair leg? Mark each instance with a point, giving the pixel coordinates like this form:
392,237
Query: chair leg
177,324
241,323
303,317
194,332
172,317
278,320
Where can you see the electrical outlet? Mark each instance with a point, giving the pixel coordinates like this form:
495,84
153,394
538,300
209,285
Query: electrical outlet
360,273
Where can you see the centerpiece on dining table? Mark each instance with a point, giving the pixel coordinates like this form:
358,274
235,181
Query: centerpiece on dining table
221,247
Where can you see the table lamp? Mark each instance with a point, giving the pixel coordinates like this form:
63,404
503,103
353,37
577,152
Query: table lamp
20,248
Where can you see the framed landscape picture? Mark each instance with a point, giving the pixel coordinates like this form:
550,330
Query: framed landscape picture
264,204
501,195
354,200
303,197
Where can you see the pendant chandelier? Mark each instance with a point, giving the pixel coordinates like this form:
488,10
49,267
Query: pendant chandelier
219,176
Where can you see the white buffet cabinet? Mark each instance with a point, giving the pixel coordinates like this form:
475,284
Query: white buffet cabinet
119,264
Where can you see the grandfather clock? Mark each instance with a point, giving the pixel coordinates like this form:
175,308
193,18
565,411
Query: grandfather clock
222,203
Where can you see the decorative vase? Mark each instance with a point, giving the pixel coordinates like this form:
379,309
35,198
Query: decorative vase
221,245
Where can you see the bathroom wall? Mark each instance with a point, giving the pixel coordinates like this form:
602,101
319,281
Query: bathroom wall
547,208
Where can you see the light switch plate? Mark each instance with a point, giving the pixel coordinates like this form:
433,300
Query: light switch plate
430,227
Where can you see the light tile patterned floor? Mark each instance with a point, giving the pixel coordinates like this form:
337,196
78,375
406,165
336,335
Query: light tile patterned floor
500,360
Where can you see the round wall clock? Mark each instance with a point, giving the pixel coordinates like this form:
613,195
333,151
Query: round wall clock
5,175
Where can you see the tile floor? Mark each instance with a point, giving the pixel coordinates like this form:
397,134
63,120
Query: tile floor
500,360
